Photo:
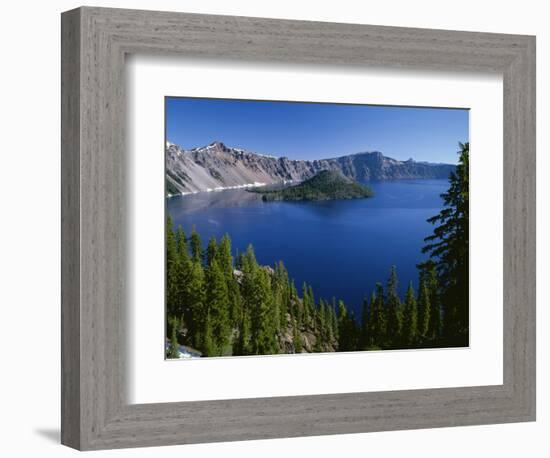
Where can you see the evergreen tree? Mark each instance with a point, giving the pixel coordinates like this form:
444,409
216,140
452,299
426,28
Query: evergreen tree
239,260
243,345
364,340
394,312
206,339
218,305
172,271
296,309
334,320
318,346
183,269
311,302
263,323
448,248
347,335
305,304
258,302
173,351
195,307
223,255
378,318
323,328
343,340
225,261
353,331
293,291
211,251
424,308
282,292
373,320
435,321
196,245
249,266
410,318
181,245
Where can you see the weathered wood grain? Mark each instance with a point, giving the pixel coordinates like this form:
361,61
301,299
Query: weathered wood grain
70,229
95,41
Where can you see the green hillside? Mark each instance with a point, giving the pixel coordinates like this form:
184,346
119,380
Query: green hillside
326,185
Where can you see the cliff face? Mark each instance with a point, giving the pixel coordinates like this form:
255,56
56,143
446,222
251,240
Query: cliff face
218,166
309,335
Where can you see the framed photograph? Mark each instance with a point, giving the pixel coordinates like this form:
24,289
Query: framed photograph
298,244
286,228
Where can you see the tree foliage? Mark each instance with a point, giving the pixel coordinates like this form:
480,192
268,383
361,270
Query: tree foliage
225,305
448,249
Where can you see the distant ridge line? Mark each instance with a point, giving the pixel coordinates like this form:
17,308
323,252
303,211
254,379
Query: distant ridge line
218,166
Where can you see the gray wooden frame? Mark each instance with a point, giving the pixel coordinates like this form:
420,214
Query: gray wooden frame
95,413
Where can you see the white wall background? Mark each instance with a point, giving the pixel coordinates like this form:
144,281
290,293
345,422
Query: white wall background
29,228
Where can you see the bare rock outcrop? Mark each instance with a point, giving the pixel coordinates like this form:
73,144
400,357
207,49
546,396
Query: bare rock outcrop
217,166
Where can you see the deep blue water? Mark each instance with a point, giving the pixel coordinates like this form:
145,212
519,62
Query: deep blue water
342,248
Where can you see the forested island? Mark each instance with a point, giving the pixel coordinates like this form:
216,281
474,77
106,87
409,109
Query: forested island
325,185
221,305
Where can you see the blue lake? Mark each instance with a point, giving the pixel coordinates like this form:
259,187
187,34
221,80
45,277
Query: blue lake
341,248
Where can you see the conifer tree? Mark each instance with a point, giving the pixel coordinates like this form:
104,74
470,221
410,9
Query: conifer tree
218,305
378,318
223,255
353,331
343,342
435,321
239,260
372,323
173,351
293,291
394,312
225,261
263,326
448,248
207,345
249,266
196,245
242,346
282,292
323,328
364,340
305,304
195,307
258,302
424,308
172,271
318,346
410,318
346,329
211,249
296,308
181,245
183,268
311,302
334,320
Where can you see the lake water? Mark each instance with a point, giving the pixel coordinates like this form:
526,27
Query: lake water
341,248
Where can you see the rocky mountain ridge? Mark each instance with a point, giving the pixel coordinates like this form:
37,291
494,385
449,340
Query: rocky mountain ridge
217,166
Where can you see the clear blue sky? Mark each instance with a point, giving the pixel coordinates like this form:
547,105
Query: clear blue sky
317,130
